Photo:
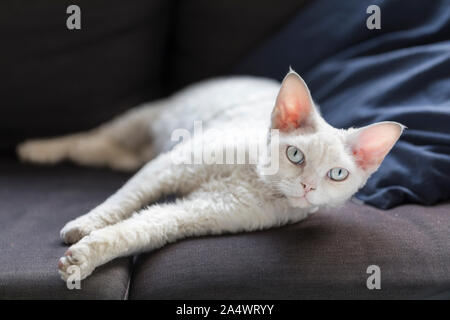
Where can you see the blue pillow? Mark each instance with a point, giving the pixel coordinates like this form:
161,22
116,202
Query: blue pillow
358,76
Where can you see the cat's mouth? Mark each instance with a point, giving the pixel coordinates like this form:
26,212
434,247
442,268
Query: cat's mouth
300,202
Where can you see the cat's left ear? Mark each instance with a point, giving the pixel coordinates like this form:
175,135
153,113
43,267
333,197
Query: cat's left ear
370,144
294,107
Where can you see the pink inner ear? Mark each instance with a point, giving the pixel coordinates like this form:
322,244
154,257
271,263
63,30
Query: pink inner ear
293,104
374,142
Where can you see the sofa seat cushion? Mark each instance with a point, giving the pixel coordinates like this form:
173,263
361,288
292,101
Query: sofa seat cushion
325,256
35,203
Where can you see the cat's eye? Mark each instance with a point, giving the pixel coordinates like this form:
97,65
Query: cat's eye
295,155
338,174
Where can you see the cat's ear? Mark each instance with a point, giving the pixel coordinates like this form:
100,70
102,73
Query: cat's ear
369,145
294,107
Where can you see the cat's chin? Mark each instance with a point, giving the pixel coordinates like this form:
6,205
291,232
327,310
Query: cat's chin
299,202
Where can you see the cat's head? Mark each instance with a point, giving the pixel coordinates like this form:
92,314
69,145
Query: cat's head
318,164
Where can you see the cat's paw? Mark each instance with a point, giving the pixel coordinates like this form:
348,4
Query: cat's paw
313,210
41,151
76,261
75,230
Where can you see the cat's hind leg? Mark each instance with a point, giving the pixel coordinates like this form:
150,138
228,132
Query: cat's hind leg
90,149
122,144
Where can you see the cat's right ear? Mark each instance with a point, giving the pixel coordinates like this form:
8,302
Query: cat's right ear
294,107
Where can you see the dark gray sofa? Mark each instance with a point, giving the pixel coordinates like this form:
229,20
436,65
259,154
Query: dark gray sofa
325,256
55,81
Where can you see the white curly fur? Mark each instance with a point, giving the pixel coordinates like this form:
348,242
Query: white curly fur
214,198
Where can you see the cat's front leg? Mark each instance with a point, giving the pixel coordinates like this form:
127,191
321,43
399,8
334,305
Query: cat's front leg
159,177
151,228
144,187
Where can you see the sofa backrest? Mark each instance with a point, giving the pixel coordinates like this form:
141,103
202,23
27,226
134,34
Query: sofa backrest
56,81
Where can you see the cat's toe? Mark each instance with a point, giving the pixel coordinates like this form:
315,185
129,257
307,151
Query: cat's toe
75,262
73,232
313,210
39,151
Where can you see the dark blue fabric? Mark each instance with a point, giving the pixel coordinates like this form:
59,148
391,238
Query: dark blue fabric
360,76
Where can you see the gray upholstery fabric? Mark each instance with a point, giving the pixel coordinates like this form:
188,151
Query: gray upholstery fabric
325,256
35,202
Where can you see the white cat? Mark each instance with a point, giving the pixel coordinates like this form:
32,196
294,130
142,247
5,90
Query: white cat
318,165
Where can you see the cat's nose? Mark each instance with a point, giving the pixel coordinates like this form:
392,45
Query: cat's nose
307,187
